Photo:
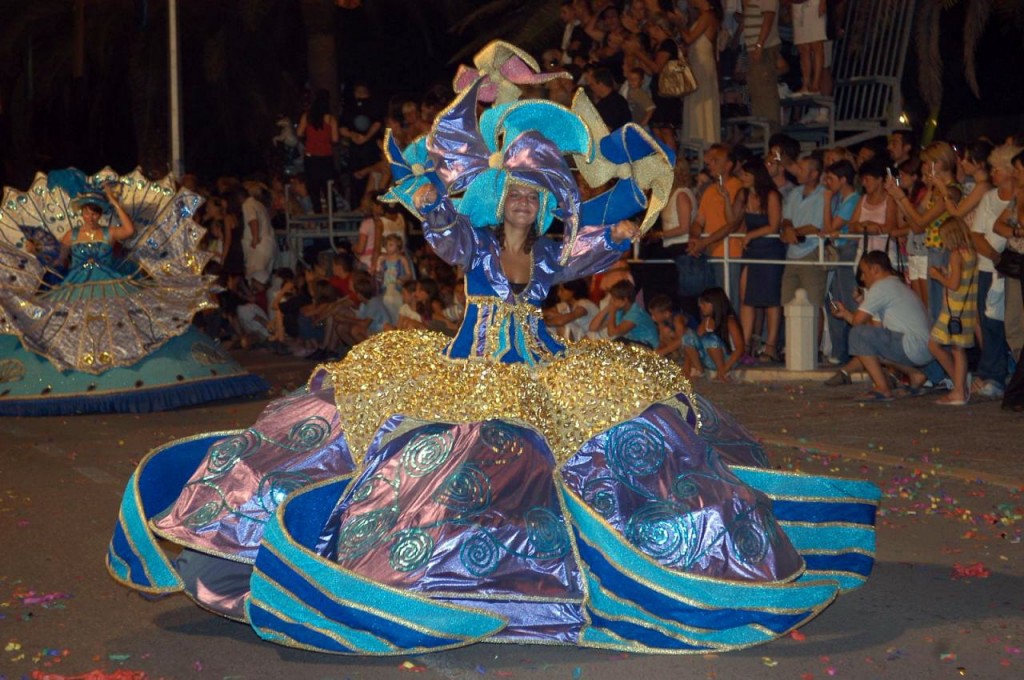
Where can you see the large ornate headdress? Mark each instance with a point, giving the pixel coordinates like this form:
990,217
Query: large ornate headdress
526,142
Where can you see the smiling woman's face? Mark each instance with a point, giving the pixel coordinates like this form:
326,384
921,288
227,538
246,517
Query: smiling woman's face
521,206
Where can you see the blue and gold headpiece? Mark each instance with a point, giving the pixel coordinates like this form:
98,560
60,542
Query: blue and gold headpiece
522,142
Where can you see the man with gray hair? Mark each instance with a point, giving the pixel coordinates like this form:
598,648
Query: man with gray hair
990,377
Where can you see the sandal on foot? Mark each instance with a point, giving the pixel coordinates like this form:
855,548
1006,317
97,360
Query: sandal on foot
840,378
874,396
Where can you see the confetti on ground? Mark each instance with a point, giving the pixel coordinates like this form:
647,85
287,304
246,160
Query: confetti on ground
798,636
976,570
769,661
411,667
92,675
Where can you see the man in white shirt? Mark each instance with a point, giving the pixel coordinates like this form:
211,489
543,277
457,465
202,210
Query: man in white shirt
258,245
990,377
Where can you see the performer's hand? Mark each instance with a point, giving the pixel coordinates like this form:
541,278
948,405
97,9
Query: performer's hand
624,230
425,195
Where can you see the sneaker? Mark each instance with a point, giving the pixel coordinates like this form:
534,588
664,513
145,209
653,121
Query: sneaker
990,390
840,378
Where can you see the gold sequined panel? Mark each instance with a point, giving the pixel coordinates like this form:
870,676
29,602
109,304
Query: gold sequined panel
594,386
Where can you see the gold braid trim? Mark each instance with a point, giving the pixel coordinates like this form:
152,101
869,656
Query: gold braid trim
594,386
524,317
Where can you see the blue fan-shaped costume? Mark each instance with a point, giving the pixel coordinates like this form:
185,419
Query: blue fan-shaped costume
109,333
427,493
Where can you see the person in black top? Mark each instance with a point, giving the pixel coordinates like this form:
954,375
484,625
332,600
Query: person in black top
362,126
612,106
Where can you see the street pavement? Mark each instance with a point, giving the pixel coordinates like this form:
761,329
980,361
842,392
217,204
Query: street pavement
946,599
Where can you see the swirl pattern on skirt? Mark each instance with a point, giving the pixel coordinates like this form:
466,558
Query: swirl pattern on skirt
547,534
411,550
309,433
203,515
225,453
659,530
600,494
361,533
480,554
749,540
467,490
635,449
427,452
684,487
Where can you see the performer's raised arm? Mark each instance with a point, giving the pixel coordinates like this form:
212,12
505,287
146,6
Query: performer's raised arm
596,248
447,232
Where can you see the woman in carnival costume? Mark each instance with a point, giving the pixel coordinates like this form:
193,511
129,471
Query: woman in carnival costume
99,280
427,492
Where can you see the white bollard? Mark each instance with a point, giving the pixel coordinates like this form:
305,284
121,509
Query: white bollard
801,333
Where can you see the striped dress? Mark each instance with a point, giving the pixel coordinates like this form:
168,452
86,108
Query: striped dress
960,303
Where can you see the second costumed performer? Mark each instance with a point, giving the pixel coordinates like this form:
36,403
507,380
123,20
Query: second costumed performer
427,493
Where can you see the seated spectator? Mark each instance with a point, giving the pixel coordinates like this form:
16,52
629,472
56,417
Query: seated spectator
625,320
718,332
899,337
341,275
410,314
671,328
570,318
371,317
312,319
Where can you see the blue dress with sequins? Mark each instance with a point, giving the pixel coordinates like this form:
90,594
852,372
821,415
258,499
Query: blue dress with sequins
427,493
114,333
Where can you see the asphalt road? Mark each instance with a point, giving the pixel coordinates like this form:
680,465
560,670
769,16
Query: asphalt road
946,599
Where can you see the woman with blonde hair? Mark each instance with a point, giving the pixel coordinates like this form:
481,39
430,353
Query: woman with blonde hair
938,170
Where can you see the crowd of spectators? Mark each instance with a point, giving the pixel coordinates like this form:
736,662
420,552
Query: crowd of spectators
846,225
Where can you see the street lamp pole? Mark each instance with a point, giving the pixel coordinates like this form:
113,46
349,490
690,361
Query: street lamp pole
177,162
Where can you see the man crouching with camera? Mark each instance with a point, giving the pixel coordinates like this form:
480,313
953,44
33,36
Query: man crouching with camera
889,329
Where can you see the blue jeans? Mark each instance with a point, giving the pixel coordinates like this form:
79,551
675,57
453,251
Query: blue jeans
702,343
994,351
841,283
875,341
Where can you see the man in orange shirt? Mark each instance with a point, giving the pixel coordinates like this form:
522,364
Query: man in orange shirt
720,218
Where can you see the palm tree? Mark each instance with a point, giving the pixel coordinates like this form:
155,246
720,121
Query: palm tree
978,13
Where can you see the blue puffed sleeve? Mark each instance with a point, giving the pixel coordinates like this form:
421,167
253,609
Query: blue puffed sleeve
449,233
592,252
